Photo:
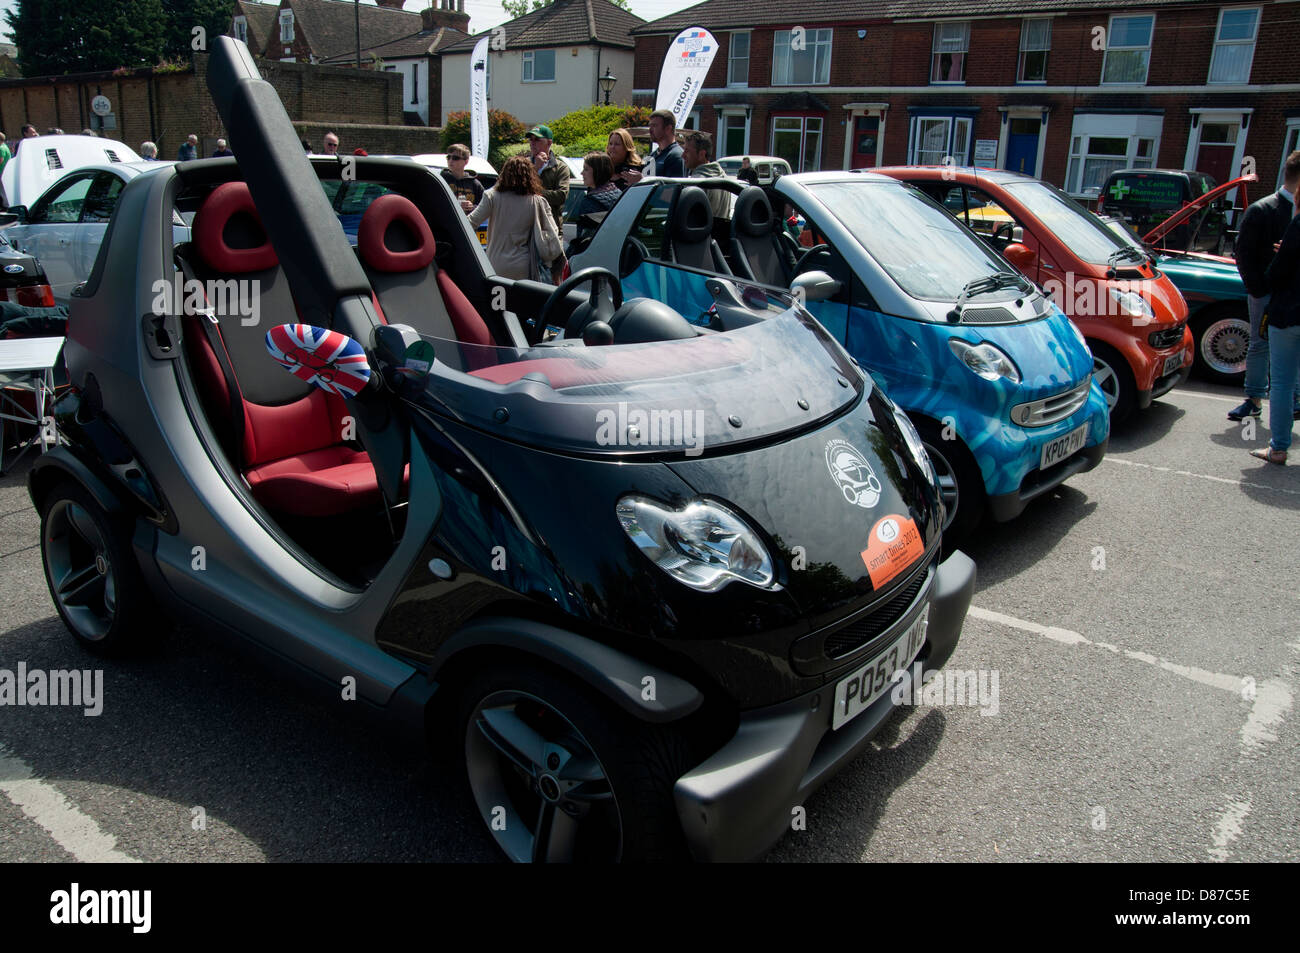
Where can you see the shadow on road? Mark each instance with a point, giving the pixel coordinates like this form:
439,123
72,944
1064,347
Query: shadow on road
1001,550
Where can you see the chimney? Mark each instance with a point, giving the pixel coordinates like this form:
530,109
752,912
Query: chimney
448,13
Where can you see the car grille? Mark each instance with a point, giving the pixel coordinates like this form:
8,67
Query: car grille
1171,337
987,316
858,633
1040,413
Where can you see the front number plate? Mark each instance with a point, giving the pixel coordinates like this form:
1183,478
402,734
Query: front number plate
1172,363
1060,448
855,694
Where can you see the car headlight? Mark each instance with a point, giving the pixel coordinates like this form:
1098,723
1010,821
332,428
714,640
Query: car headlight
1132,304
913,440
704,545
985,360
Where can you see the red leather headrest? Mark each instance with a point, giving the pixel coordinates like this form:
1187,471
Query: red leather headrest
393,235
228,232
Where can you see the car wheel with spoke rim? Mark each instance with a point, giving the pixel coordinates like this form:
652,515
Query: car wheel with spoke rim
92,576
558,774
960,482
1222,339
1112,374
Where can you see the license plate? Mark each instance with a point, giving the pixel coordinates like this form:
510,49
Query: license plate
1057,450
1172,363
855,694
482,235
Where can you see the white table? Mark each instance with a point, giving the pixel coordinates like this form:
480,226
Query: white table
27,364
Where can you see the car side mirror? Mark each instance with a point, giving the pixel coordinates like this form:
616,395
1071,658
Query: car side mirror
1020,256
815,286
323,358
16,215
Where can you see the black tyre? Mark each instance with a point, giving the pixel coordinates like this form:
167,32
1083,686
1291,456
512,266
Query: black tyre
960,482
1222,337
1115,378
560,774
92,575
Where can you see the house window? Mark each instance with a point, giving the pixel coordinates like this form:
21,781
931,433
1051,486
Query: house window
1035,41
1290,143
539,66
802,59
1128,50
735,135
241,29
1104,143
415,84
286,26
738,59
935,138
798,140
1234,45
948,62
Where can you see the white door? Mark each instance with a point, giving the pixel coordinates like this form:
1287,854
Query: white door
50,232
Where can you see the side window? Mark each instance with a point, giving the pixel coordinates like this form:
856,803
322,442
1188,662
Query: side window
651,227
102,198
64,203
852,291
989,220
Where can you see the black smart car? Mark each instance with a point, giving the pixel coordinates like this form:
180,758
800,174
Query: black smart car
653,581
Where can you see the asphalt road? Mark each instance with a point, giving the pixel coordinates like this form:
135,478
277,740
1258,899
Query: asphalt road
1141,621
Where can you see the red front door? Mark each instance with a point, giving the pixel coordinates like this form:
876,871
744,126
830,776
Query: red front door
1217,145
866,143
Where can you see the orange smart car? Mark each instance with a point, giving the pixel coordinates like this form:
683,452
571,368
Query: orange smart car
1134,319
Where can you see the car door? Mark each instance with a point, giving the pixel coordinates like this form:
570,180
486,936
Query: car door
50,232
95,213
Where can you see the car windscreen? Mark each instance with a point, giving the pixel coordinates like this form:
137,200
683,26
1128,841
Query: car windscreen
1082,232
681,397
921,246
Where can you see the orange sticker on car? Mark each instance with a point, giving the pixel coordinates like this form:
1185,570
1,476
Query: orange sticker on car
895,545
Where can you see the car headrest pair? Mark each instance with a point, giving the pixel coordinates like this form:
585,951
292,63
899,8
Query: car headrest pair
393,236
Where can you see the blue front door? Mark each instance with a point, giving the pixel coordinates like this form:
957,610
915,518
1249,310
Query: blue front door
1022,146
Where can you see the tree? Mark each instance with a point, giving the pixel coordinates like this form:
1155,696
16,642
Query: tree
517,8
69,36
184,15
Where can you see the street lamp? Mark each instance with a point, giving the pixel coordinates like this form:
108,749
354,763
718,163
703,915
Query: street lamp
607,83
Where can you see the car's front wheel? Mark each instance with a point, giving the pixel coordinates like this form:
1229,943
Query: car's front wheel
1113,376
559,774
960,482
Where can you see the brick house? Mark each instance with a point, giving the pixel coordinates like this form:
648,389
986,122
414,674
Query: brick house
1067,90
548,62
325,32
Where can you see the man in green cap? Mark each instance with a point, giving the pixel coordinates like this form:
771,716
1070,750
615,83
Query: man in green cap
552,170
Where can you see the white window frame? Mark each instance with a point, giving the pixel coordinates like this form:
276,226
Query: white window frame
964,52
1110,32
1204,116
814,41
1135,128
1020,58
1290,142
241,28
1219,44
732,59
950,138
530,66
725,115
286,26
803,139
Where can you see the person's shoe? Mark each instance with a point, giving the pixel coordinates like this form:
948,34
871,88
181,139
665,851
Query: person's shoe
1248,408
1270,455
1295,413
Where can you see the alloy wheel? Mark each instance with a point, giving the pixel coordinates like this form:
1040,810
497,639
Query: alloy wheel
947,477
538,784
82,576
1107,380
1224,344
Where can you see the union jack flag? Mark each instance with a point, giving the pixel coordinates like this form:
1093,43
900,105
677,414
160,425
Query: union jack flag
332,361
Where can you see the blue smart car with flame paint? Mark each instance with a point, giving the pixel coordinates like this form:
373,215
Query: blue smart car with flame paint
996,379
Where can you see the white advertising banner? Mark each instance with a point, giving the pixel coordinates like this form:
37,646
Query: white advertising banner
685,66
478,108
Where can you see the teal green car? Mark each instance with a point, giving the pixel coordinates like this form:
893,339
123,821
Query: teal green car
1216,304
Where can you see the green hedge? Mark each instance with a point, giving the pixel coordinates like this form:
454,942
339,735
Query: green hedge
589,128
504,130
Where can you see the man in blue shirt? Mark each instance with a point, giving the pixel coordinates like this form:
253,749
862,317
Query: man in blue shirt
190,150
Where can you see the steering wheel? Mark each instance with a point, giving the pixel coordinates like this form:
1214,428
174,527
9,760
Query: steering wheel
1007,227
798,265
600,309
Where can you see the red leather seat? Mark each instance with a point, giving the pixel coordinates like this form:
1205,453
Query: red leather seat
397,249
291,448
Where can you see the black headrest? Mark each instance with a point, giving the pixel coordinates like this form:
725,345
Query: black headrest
692,216
753,214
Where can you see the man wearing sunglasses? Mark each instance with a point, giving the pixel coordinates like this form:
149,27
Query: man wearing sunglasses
463,182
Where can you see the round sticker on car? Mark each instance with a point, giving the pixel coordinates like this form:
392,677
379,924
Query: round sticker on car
852,473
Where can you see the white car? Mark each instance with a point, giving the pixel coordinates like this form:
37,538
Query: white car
769,168
64,227
38,163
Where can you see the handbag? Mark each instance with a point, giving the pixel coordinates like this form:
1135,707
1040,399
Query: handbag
545,238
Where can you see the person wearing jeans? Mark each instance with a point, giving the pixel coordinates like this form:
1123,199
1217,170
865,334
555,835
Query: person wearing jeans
1283,340
1262,226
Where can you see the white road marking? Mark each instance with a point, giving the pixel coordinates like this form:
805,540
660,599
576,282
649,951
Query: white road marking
1201,476
1193,393
76,833
1273,699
